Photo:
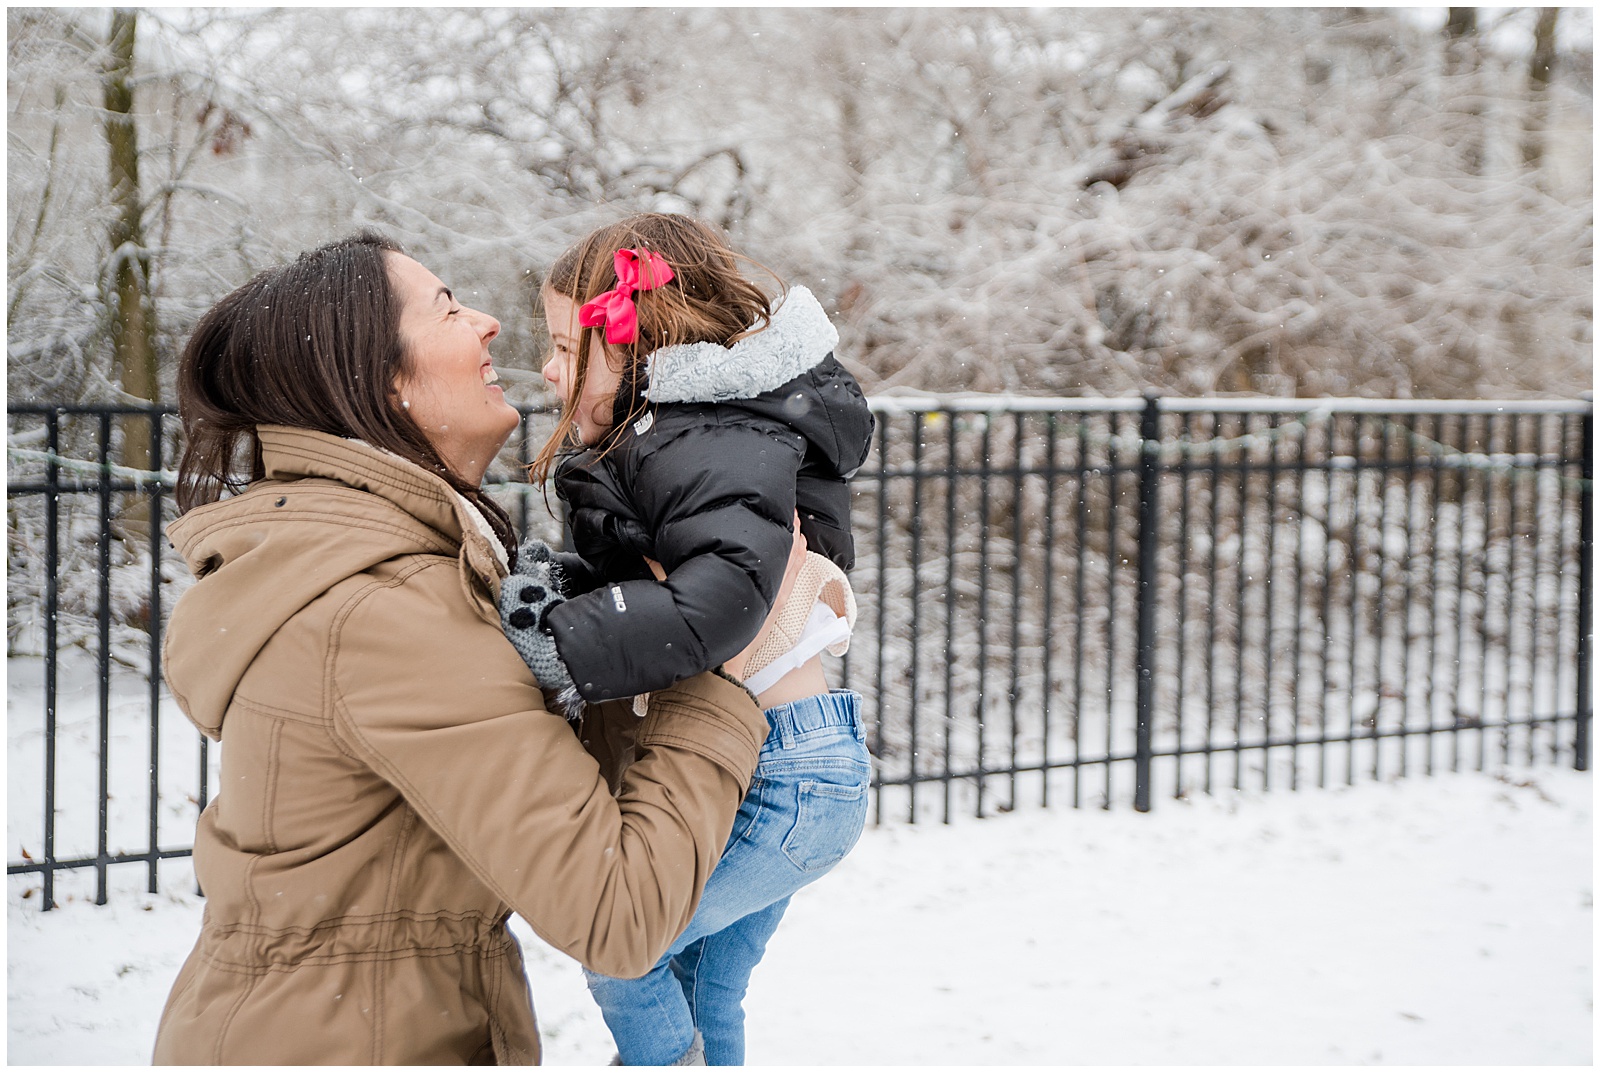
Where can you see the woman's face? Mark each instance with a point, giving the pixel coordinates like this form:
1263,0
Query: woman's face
450,390
592,412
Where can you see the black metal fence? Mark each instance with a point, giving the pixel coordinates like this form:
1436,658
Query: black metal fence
1093,601
1062,601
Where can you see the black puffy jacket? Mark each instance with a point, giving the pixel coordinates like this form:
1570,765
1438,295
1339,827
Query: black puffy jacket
707,483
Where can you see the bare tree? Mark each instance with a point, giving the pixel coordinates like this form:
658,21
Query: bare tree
131,313
1461,52
1539,66
1074,201
1064,201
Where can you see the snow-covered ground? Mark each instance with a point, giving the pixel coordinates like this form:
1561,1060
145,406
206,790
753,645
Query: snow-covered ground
1443,920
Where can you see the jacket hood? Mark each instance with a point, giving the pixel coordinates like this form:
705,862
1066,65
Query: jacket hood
329,509
799,337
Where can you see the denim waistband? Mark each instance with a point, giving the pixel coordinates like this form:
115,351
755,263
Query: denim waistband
835,708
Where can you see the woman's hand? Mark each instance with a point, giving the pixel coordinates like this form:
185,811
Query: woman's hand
797,558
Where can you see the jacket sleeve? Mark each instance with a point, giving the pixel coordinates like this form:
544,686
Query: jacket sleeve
720,501
611,881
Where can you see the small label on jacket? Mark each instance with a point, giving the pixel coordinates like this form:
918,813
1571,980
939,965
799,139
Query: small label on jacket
616,598
641,426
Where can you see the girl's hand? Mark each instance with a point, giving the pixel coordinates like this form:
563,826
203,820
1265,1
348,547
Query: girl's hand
526,598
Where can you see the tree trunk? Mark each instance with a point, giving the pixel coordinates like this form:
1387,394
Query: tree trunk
1461,58
1462,22
132,318
1544,57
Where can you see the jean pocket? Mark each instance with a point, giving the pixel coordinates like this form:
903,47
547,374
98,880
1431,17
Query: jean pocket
829,818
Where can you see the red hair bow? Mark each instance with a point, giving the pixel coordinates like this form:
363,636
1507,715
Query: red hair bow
637,270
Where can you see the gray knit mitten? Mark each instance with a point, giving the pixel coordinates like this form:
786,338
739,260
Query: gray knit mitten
526,599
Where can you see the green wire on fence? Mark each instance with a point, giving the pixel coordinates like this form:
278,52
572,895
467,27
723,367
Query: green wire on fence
1517,467
101,469
1304,422
166,477
1184,447
1483,462
1250,440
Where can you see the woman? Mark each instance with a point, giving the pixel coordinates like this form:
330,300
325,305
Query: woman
392,785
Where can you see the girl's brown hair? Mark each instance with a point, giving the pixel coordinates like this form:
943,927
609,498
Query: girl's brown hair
708,300
313,344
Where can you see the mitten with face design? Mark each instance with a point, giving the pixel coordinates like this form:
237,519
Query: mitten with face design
526,599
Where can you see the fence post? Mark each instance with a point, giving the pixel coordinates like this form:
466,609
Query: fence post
52,600
1149,537
1585,712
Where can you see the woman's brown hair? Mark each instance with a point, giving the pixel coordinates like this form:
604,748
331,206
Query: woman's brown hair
708,300
313,344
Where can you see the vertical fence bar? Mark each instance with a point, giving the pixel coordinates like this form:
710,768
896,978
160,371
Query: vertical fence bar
1508,612
883,608
1325,597
951,489
1018,500
525,456
1149,541
1573,512
1460,690
1432,594
1215,472
1585,711
1488,603
1409,481
1355,605
103,621
1047,576
1113,572
154,629
1240,596
1381,626
1299,606
1184,467
1558,582
52,606
1531,663
1080,534
916,604
980,706
204,796
1268,573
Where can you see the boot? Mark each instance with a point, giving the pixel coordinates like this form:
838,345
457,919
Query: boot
694,1056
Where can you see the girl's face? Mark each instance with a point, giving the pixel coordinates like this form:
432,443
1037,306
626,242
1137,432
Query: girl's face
450,390
592,411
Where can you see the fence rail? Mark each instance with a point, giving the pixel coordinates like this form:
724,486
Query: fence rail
1086,601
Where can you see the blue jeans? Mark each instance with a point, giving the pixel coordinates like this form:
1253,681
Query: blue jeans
805,810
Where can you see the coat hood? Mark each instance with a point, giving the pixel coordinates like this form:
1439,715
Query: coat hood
328,509
785,373
798,338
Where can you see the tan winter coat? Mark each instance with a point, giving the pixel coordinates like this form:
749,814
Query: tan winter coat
392,786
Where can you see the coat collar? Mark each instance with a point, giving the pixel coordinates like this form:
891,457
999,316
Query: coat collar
292,453
265,554
799,337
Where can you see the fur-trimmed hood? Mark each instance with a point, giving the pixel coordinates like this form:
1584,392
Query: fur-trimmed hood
799,337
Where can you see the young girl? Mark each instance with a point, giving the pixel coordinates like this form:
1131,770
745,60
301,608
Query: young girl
699,425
